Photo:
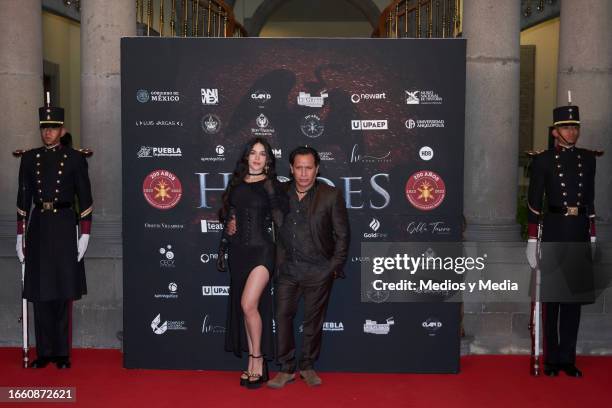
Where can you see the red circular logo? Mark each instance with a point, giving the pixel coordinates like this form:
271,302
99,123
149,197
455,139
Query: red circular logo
425,190
162,189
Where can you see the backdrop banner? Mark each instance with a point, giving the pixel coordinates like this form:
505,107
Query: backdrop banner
386,115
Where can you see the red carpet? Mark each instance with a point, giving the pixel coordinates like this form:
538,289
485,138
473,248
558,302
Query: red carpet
485,381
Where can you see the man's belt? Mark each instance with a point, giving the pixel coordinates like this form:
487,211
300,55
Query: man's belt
567,211
50,205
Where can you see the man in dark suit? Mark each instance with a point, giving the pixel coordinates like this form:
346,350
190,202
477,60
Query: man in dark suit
563,177
50,177
311,252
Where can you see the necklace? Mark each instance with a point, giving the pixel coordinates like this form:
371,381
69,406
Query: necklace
255,174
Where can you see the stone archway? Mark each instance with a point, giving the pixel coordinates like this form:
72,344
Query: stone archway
268,7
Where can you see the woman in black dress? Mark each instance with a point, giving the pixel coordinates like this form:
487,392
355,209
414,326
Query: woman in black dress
253,202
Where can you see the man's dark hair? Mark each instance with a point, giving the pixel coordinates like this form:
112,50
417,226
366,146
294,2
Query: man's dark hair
305,150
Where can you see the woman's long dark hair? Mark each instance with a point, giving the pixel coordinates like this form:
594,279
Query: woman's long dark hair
242,169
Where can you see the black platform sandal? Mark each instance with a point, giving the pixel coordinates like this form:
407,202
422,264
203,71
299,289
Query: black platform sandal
257,380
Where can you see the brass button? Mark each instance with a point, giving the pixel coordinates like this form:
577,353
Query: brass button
38,164
562,184
580,174
556,156
37,155
62,164
54,210
578,156
37,172
55,199
58,181
579,194
579,184
65,157
564,194
578,203
59,172
38,181
558,166
57,191
565,203
39,190
579,164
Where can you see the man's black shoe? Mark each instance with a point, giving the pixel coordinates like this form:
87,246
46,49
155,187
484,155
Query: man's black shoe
572,371
40,362
551,370
62,362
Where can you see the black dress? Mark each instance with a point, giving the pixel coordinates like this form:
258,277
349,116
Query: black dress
251,246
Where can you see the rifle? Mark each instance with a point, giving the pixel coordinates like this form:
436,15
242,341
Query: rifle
535,321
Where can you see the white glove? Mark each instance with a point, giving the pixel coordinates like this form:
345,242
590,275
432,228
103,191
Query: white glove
593,247
19,248
82,246
531,252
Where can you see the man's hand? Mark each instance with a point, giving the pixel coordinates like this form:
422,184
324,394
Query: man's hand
82,246
19,248
531,252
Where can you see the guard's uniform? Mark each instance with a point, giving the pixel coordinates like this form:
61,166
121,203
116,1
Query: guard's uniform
49,181
562,193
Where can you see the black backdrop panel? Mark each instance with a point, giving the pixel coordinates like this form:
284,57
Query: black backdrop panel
383,113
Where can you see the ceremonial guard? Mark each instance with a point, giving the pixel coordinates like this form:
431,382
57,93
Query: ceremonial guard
562,214
54,211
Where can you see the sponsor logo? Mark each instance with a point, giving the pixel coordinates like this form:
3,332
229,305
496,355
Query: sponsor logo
327,326
433,228
326,156
424,123
209,328
374,226
432,325
215,290
220,157
263,126
360,259
426,153
160,328
369,124
211,226
211,124
144,96
372,327
206,258
172,289
162,189
261,97
304,99
210,96
163,226
425,190
148,151
356,157
159,123
423,98
311,126
278,153
167,255
358,97
377,296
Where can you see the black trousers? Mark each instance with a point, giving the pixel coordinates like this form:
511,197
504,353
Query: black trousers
561,321
288,291
52,324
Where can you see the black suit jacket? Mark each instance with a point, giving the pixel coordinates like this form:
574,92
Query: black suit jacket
329,227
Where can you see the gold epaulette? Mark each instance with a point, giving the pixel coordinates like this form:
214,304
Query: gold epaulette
86,152
532,153
597,153
20,152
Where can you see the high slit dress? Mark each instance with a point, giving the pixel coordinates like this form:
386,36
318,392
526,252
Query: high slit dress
252,245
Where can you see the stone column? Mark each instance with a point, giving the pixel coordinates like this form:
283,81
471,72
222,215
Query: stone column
21,91
103,23
492,30
585,68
